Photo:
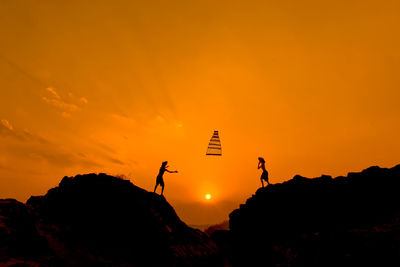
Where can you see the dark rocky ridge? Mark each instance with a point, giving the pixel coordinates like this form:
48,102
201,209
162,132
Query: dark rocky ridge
100,220
216,227
345,221
20,242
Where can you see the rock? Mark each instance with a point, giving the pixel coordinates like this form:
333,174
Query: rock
100,220
313,222
221,226
19,239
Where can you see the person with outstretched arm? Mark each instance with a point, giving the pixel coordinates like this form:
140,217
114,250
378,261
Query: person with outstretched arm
160,180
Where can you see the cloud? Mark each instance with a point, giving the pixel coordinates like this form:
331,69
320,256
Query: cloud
23,144
32,137
66,114
84,100
53,92
66,105
7,130
7,124
22,71
105,147
59,157
114,160
61,104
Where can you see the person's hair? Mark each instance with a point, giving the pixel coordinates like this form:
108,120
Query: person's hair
261,159
164,163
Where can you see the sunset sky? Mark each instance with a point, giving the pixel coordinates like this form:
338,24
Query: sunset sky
120,86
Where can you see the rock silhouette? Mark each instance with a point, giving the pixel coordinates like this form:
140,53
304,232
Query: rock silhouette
100,220
20,242
345,221
216,227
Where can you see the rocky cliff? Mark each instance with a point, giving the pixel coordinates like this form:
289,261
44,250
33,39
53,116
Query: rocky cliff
100,220
325,221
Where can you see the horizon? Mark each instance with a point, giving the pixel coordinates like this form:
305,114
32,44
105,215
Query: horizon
120,87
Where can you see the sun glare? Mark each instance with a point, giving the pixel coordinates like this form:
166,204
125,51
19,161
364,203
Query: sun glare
208,196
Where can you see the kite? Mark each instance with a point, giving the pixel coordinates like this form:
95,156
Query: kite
214,146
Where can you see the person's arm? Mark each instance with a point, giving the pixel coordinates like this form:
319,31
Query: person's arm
171,171
258,166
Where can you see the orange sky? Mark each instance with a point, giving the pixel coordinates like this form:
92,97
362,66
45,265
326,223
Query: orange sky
120,86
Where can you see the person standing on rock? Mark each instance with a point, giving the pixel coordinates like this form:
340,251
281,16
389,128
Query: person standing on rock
264,175
160,180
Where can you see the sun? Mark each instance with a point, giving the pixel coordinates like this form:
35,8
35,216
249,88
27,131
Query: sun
208,196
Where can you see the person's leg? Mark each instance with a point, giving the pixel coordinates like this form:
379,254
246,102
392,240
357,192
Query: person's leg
262,182
155,187
162,185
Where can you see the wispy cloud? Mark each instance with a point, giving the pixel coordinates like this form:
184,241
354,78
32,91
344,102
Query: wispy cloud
7,124
25,144
23,72
114,160
84,100
53,92
7,130
66,105
59,157
66,114
61,104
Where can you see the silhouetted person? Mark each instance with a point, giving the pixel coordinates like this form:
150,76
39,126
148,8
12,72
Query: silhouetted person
160,180
264,175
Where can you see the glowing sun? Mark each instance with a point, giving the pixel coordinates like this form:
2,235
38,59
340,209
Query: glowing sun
208,196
